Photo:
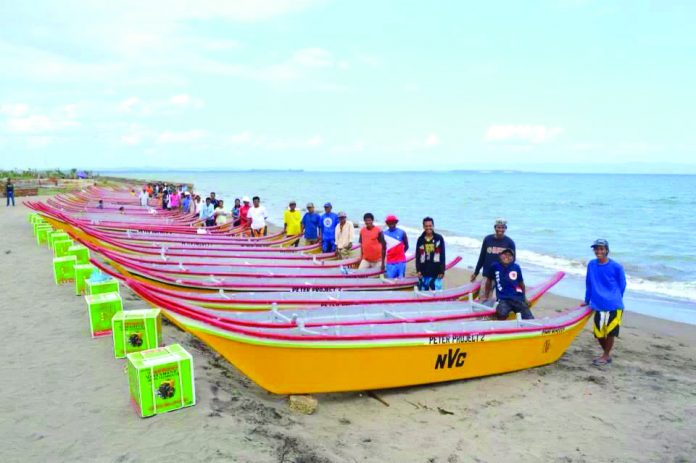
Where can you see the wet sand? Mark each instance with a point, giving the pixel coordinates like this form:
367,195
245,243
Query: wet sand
65,398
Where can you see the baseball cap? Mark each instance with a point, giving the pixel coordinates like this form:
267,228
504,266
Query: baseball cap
310,205
292,202
600,242
500,221
508,251
327,205
342,214
245,199
391,218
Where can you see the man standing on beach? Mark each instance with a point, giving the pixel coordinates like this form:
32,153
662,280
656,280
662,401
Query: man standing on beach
144,197
207,213
397,245
327,230
291,222
373,248
430,257
344,236
9,192
509,287
491,248
257,216
186,203
213,200
244,212
605,285
311,224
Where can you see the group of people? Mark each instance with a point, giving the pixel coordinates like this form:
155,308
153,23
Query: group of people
386,249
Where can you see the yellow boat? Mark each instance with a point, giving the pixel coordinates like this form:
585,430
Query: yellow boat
332,359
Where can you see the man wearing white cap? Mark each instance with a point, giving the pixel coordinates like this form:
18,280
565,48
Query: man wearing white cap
344,236
491,248
244,212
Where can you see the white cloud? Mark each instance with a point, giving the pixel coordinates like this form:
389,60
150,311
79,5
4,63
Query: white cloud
130,105
186,136
174,104
313,58
355,147
314,141
14,109
185,101
521,133
432,140
242,138
38,123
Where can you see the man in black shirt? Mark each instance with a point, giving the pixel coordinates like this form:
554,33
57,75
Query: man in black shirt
491,248
430,257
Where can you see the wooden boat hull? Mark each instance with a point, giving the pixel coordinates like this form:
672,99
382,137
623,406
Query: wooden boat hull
284,367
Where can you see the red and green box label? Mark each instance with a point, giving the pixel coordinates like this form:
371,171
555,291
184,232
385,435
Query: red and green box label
136,330
161,380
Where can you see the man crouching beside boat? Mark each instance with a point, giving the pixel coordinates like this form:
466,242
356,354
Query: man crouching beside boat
605,284
509,286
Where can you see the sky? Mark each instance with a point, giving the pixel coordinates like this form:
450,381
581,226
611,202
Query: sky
555,85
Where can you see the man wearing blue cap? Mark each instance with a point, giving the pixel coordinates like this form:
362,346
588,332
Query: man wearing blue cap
327,229
605,284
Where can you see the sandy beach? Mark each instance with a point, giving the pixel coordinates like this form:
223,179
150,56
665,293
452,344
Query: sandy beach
65,398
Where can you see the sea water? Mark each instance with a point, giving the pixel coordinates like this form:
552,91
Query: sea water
649,220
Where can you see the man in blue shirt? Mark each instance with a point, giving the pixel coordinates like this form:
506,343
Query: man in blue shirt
207,213
491,247
509,286
327,229
605,285
310,225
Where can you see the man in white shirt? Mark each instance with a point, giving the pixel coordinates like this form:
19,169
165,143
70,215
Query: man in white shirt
257,215
207,213
344,236
144,197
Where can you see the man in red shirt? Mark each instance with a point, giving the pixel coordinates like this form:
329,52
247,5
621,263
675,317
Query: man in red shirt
244,212
373,248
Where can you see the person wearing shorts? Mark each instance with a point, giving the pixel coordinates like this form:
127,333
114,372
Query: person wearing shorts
430,257
372,245
605,285
397,245
509,287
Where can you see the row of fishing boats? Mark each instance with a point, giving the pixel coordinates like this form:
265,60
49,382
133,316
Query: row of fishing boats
294,319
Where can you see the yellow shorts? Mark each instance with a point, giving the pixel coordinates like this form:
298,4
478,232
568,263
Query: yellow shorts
607,323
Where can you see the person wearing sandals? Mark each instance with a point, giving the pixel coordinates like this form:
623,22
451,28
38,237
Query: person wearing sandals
605,284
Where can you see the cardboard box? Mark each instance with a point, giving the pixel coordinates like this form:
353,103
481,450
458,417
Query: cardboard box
81,252
161,380
82,273
42,232
101,308
61,246
64,269
103,286
136,330
55,236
